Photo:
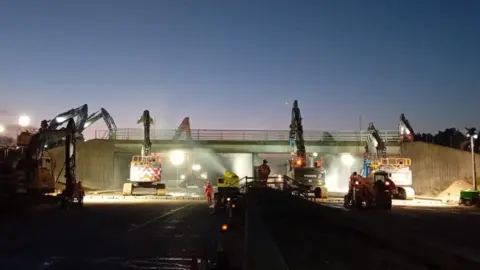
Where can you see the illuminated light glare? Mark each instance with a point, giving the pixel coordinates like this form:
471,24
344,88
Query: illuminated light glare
60,119
203,175
224,227
182,177
196,167
177,157
24,121
233,206
2,129
347,160
315,154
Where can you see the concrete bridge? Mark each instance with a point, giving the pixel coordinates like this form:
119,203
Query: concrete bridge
251,141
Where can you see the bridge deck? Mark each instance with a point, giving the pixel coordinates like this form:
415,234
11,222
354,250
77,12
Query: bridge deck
250,135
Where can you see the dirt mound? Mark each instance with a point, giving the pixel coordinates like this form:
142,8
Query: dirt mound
453,191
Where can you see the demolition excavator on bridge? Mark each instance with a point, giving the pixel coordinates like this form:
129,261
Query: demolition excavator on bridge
397,168
145,169
314,177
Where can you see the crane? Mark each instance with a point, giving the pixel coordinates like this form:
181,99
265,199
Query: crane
298,170
145,169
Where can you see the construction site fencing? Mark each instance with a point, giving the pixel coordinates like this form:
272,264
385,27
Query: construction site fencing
247,135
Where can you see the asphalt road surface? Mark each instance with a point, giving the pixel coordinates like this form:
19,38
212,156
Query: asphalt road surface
453,227
173,229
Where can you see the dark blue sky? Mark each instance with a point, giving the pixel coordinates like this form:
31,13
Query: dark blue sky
234,64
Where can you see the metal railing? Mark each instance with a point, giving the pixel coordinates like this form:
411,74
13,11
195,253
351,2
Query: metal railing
248,135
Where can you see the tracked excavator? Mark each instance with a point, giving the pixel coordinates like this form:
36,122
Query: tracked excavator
313,177
145,169
31,174
398,169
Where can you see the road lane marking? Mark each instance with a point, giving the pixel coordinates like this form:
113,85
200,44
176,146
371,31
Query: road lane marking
157,218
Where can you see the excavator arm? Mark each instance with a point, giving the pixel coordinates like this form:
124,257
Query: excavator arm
374,141
94,117
405,129
147,122
183,128
81,113
36,145
296,135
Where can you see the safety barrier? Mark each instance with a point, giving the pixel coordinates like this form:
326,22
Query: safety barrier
248,135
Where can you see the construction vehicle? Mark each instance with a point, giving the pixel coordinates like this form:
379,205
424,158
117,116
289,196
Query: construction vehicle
405,129
374,191
32,174
183,128
313,177
80,113
94,117
145,169
397,168
228,189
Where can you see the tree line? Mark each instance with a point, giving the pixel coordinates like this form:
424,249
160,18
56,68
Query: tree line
450,137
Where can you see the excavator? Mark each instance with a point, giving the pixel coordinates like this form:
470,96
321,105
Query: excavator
94,117
313,177
397,169
145,169
32,174
405,129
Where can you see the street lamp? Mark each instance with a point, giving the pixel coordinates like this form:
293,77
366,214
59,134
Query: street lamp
348,160
472,134
177,158
196,167
24,121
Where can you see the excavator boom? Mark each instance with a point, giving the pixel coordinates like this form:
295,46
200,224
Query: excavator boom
147,121
405,129
183,128
94,117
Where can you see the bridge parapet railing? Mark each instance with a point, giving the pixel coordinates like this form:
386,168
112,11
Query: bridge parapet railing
249,135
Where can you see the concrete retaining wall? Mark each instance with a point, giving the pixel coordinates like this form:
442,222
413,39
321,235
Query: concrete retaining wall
95,163
436,167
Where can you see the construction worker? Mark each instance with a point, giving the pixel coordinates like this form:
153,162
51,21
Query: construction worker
80,191
209,192
353,179
264,172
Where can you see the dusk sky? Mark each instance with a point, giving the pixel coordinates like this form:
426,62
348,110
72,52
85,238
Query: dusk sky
235,64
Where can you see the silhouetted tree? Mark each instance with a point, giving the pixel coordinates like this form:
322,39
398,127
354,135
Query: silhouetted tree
450,137
327,136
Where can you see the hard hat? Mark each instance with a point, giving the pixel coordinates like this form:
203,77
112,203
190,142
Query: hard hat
265,161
